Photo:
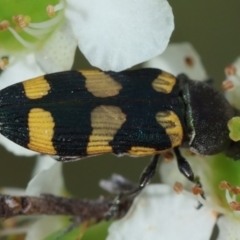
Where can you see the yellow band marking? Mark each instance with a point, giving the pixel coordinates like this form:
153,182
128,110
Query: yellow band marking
36,87
41,129
164,82
142,151
173,127
105,121
101,84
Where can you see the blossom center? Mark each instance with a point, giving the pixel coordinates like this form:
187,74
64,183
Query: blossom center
25,26
231,194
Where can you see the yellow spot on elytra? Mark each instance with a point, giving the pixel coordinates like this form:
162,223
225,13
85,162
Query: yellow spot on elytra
101,84
172,125
164,82
105,121
36,88
41,129
142,151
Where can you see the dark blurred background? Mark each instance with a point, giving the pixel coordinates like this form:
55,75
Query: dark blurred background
212,26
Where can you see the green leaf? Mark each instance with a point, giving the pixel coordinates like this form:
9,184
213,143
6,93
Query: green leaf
74,234
97,231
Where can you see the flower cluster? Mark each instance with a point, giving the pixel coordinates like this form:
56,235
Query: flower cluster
116,35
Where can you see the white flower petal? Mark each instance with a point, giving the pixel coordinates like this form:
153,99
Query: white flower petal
228,228
12,191
233,95
115,35
49,180
44,162
160,213
20,70
16,149
57,54
180,58
44,227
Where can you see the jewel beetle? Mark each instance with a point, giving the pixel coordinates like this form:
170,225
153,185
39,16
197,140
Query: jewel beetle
75,114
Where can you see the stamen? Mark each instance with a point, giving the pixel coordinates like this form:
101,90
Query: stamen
21,20
51,10
168,156
20,39
46,24
196,190
227,85
235,206
224,185
189,61
17,18
196,194
59,6
231,200
178,187
228,197
4,25
3,63
37,32
235,190
230,70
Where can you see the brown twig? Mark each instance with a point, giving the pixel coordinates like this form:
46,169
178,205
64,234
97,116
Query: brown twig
11,206
81,210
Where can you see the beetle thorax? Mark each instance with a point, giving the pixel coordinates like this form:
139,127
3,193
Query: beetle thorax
207,115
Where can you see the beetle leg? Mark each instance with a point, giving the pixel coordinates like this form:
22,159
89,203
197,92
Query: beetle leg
185,168
187,171
183,165
148,172
145,178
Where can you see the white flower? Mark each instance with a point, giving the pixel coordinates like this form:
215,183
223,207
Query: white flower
47,178
229,229
45,171
180,58
113,35
159,213
221,197
232,84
